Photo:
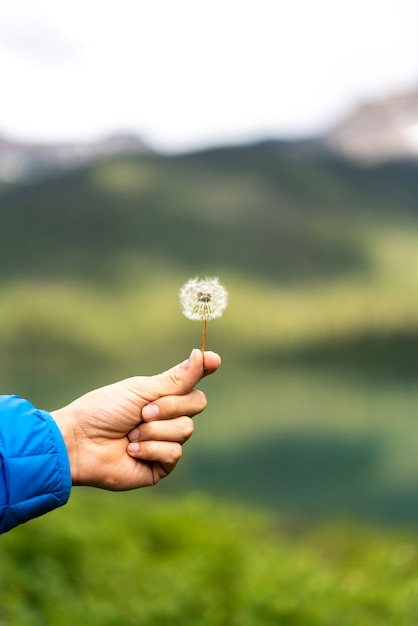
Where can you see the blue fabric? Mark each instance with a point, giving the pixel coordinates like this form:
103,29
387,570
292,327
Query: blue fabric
35,472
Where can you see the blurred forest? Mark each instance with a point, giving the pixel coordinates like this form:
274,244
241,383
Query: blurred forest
308,445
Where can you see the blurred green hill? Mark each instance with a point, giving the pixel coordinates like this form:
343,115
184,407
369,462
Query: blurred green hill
313,411
272,210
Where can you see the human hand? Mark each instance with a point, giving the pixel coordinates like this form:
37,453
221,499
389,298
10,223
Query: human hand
130,434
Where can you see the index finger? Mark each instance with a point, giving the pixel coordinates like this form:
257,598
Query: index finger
167,407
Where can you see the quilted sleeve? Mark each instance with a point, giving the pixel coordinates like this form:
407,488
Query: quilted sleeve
35,472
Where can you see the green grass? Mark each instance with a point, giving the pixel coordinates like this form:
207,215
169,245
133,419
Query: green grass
141,560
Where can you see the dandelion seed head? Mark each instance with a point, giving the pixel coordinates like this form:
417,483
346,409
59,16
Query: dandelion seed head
203,298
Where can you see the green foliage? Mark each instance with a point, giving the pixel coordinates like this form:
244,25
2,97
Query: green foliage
141,560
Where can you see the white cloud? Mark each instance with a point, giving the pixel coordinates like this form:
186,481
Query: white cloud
35,38
187,72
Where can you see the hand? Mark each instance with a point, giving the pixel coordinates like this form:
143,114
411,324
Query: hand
130,434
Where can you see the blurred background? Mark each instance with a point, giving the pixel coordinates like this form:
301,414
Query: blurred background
272,144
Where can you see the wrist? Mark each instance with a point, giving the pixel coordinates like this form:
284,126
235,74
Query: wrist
63,420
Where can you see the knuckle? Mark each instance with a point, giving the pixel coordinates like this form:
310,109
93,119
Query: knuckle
176,378
201,399
175,454
187,427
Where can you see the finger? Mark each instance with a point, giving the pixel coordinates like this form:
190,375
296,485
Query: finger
179,429
168,453
181,379
169,407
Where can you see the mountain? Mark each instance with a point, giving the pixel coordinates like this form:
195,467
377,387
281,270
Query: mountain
22,161
273,209
374,132
378,131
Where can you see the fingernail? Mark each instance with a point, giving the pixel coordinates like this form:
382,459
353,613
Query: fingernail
150,411
134,434
133,447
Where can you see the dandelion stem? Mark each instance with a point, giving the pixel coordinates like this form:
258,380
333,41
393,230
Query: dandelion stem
202,347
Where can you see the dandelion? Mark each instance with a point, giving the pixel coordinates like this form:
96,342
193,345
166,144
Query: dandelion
203,300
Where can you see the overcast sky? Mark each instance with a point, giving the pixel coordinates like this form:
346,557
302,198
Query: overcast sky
187,73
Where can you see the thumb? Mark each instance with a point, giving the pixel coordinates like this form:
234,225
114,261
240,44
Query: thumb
182,378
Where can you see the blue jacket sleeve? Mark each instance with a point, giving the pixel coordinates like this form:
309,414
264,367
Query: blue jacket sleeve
34,468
